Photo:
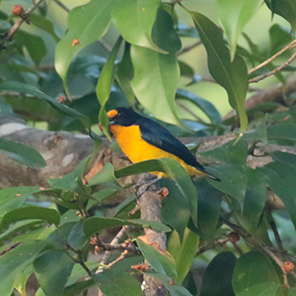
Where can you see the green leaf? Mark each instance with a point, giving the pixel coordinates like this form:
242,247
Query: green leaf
105,177
206,106
234,15
164,34
183,198
255,199
255,268
17,258
104,84
86,23
184,252
280,178
218,275
155,82
31,90
284,8
175,289
134,20
49,215
234,181
161,263
283,157
125,73
77,288
22,154
34,44
282,132
44,24
52,270
263,289
279,37
13,197
209,209
229,153
95,224
233,75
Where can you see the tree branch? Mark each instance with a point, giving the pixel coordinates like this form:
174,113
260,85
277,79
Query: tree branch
290,46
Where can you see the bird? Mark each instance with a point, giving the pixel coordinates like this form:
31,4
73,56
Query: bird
141,139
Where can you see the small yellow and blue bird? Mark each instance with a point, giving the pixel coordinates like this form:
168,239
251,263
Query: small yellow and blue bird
143,139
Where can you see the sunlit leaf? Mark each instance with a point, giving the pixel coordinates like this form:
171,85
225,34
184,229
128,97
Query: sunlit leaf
232,75
103,88
134,20
155,82
95,17
234,15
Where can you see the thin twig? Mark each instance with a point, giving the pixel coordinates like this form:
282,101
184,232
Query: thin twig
79,260
189,111
188,48
62,5
10,248
24,17
289,46
121,257
115,241
274,229
263,76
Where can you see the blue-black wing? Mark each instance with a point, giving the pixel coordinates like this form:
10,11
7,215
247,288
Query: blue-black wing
155,134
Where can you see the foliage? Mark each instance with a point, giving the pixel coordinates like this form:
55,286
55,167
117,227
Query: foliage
47,231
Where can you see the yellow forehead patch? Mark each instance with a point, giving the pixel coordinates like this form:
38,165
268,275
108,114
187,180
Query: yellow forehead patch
112,113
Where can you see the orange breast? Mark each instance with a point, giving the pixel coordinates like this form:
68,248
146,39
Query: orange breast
136,149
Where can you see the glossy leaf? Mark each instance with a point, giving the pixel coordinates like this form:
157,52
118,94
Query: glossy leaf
183,199
49,215
124,74
234,181
13,197
22,154
233,75
105,177
164,34
31,90
104,84
155,82
284,8
261,270
76,288
255,199
209,209
17,258
52,270
234,15
184,252
95,17
218,275
96,224
280,178
206,106
134,20
34,44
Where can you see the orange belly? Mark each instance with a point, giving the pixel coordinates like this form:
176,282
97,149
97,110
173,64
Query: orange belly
136,149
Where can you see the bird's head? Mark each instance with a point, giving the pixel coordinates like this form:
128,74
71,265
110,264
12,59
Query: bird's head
123,116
